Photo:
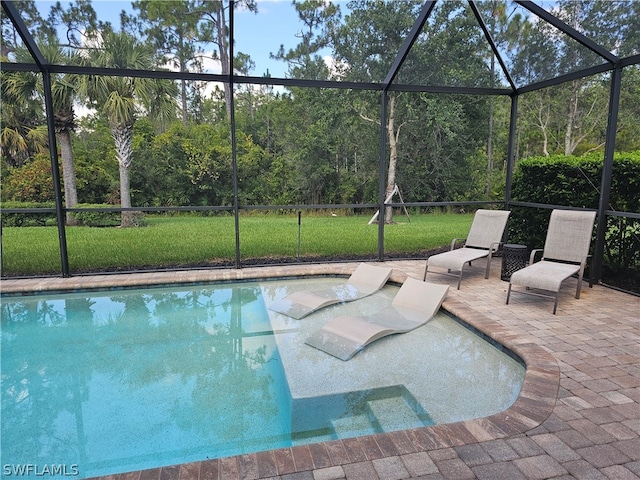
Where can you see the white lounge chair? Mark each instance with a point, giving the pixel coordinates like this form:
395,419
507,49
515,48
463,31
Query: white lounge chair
364,281
414,305
485,235
565,253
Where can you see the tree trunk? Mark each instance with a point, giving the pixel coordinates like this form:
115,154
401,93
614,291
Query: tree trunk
543,115
183,94
572,114
224,57
68,174
545,143
183,87
127,219
122,136
393,158
543,121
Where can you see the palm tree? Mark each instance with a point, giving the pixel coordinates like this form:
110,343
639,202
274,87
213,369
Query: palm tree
63,93
24,87
121,99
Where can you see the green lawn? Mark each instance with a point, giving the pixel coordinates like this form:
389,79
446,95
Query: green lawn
169,241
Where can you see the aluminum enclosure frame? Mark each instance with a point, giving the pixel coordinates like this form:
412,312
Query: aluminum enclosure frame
610,63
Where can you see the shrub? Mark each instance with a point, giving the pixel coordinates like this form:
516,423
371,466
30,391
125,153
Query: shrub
32,182
576,182
92,218
88,217
27,219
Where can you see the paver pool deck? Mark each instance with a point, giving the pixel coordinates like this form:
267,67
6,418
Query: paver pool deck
577,415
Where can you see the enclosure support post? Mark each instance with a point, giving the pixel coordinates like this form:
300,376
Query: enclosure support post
13,14
382,169
607,170
513,120
232,123
55,170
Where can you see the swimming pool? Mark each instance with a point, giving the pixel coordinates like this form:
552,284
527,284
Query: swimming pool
132,379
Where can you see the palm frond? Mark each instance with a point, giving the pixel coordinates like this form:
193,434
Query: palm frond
120,109
38,138
12,143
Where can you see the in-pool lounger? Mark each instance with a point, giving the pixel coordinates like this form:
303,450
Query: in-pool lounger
414,305
364,281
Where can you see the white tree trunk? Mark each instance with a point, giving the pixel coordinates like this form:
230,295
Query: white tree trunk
68,174
572,114
393,158
123,136
224,57
543,116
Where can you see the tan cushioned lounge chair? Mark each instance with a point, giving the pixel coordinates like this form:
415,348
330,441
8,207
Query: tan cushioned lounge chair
485,235
414,305
565,253
365,281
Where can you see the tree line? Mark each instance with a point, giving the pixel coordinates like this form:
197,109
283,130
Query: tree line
155,142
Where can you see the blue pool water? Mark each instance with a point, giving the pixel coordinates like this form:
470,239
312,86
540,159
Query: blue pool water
107,382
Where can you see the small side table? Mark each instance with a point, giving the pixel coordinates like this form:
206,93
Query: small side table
514,257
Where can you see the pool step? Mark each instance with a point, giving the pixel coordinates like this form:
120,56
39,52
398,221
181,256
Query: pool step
353,426
381,415
394,414
312,437
351,414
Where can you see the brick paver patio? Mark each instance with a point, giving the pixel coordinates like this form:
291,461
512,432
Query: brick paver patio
577,416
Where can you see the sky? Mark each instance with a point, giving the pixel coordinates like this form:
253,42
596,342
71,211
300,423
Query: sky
257,35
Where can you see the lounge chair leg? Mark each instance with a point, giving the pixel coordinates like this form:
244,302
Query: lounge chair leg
508,294
459,279
579,287
555,303
426,267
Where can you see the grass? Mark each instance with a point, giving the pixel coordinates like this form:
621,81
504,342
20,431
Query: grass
172,241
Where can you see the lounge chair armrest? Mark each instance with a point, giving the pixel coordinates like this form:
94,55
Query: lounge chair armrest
454,241
532,257
494,247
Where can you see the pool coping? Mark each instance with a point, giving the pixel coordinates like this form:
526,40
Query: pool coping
534,404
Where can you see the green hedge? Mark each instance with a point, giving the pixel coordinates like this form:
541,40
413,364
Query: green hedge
89,218
27,219
576,182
